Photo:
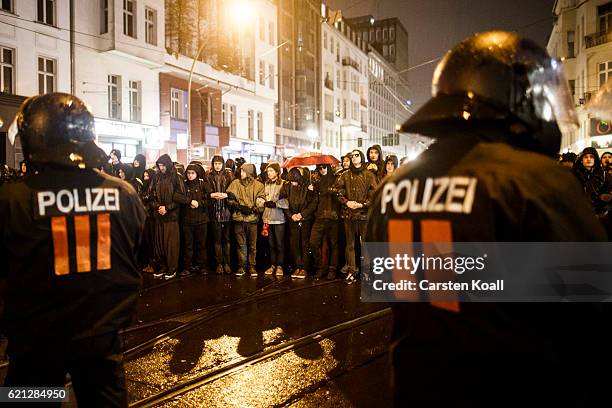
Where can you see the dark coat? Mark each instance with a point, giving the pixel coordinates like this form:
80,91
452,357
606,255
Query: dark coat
218,182
301,199
169,191
356,184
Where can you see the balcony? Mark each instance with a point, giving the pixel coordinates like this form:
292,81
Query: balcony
329,84
349,62
593,40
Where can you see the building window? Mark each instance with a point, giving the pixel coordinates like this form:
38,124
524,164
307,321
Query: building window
224,114
46,75
7,5
262,72
177,104
385,50
331,44
150,26
385,34
129,18
260,126
103,16
604,14
114,96
392,50
262,29
7,70
572,85
392,33
605,72
570,44
272,76
378,34
325,40
46,12
271,33
135,101
251,127
233,120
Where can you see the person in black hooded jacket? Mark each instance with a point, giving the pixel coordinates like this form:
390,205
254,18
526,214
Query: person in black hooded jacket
391,164
302,205
139,164
356,188
376,163
126,172
147,196
115,162
326,222
219,179
195,220
592,178
169,194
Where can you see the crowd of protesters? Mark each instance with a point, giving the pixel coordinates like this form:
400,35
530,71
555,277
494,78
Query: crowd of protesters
222,217
595,177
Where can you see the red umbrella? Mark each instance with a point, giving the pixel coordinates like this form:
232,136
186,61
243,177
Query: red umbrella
310,159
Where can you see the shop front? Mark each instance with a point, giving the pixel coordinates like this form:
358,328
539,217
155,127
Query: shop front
253,152
130,139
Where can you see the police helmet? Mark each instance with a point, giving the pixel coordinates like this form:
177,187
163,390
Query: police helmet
58,128
501,79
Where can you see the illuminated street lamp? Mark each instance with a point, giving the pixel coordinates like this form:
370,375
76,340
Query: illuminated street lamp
242,12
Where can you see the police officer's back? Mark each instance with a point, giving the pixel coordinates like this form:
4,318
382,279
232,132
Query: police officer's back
498,109
69,235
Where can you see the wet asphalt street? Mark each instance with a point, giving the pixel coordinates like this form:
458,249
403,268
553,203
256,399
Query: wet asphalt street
226,341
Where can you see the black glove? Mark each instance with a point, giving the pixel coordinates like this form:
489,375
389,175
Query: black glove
270,204
246,210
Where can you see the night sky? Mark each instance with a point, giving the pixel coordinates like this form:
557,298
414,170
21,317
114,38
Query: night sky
434,26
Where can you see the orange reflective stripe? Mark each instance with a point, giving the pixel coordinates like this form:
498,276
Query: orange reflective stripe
59,232
441,232
104,241
83,246
400,233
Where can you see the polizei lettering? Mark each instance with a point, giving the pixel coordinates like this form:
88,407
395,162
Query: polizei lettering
433,195
77,201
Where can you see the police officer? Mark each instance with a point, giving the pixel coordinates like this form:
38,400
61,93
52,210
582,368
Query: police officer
499,107
68,242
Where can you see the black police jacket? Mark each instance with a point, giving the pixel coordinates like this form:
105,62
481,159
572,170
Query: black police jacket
68,244
510,196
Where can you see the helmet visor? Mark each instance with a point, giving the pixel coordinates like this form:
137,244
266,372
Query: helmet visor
551,96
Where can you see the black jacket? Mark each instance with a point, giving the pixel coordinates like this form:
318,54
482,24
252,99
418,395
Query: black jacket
593,182
218,182
55,291
328,207
520,196
197,190
301,199
169,191
356,184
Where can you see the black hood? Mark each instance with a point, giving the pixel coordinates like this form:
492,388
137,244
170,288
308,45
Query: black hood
128,170
296,174
152,178
330,171
197,168
578,164
217,159
230,164
393,159
380,156
166,161
142,161
363,163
